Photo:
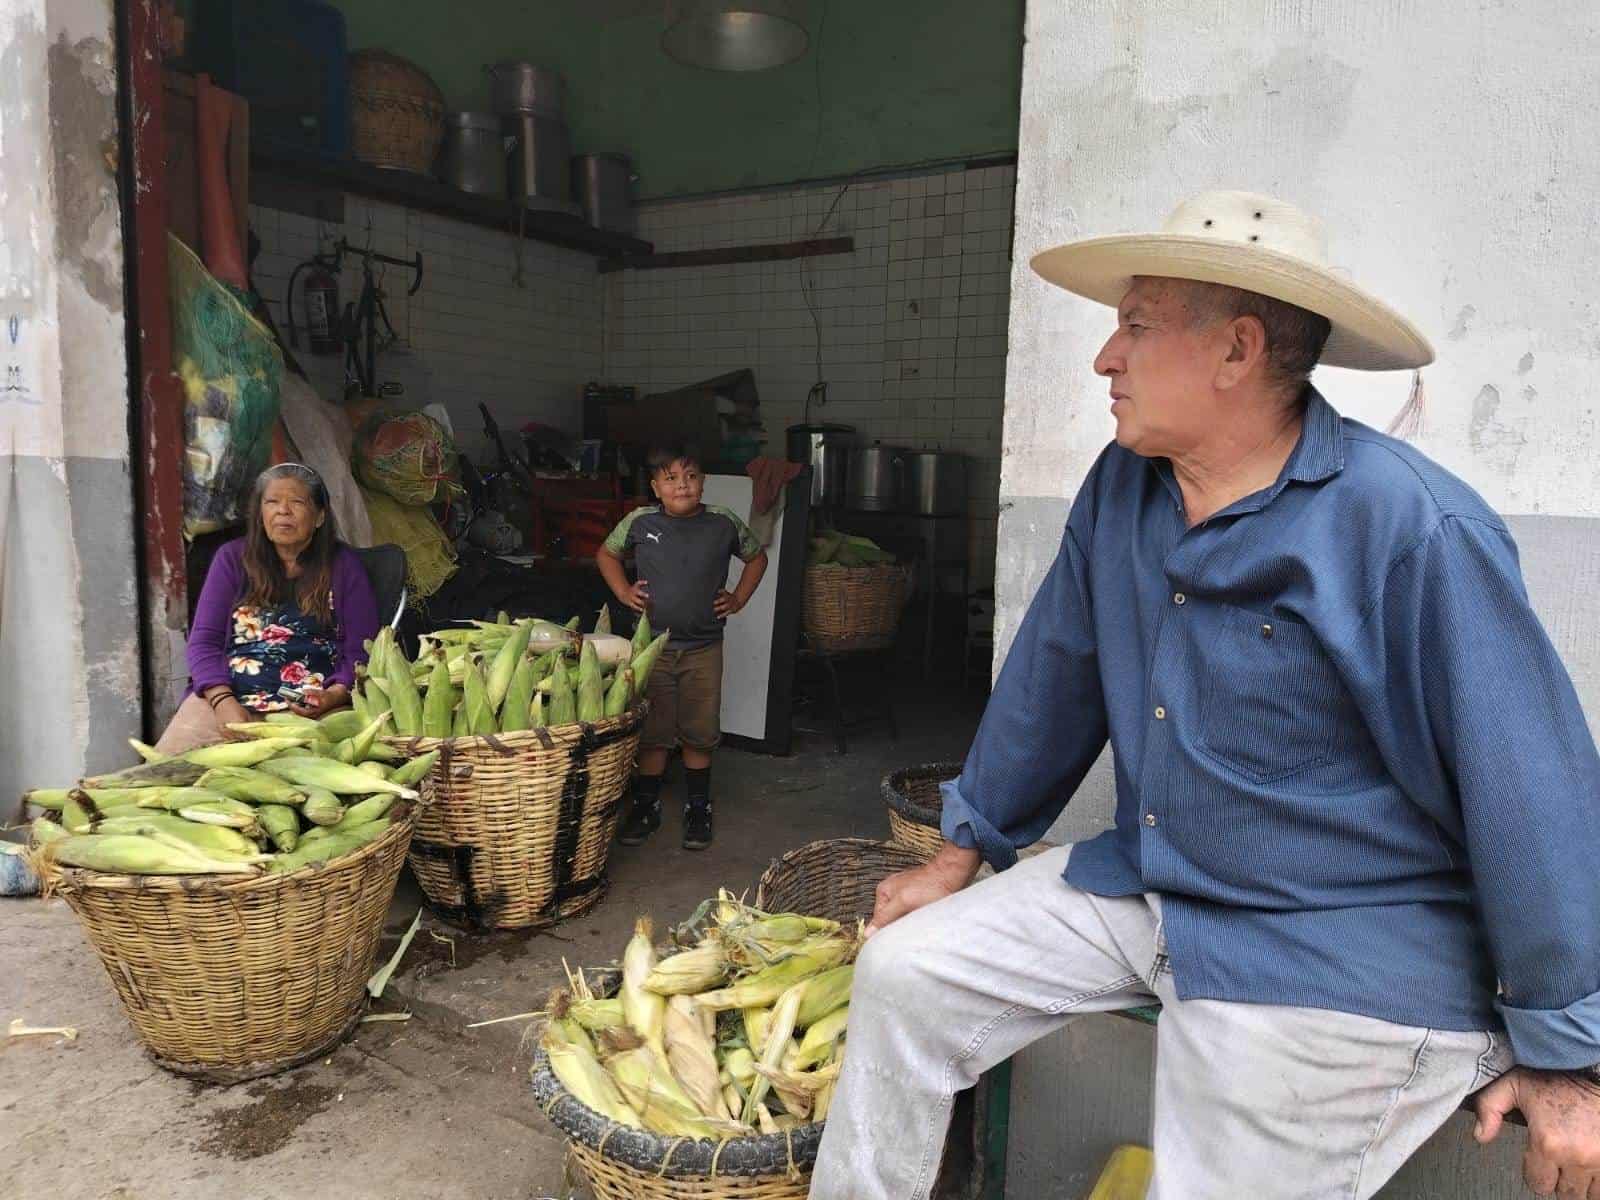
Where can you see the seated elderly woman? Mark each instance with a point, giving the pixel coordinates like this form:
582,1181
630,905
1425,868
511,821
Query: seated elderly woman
281,619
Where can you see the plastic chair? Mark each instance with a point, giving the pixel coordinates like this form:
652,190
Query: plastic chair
386,570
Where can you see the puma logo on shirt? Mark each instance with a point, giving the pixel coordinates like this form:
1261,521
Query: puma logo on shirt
654,537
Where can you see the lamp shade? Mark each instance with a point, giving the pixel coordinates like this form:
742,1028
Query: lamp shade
735,35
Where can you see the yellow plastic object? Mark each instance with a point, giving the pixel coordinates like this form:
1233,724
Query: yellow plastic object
1127,1175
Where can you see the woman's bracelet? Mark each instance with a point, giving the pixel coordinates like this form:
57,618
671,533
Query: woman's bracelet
217,698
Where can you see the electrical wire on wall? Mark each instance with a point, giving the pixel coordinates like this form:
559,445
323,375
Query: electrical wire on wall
819,386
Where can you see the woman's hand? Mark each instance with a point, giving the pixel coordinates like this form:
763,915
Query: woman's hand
231,712
322,701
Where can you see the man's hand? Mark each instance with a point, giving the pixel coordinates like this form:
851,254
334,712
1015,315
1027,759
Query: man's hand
944,875
725,603
1563,1112
323,700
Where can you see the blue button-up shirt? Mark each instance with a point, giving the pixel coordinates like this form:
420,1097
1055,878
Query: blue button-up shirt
1347,755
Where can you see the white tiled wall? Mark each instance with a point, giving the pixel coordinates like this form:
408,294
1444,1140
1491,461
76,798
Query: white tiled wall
912,323
471,333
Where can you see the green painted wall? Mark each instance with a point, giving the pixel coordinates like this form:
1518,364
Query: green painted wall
902,82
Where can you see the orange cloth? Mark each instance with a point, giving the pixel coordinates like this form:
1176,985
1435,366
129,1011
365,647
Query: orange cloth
771,476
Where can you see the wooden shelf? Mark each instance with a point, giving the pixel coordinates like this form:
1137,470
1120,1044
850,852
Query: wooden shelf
429,195
727,255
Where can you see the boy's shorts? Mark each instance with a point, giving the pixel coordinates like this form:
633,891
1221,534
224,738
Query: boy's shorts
685,694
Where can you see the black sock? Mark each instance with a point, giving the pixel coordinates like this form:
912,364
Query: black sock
697,786
647,789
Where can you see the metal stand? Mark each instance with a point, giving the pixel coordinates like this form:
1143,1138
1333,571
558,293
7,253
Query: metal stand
882,663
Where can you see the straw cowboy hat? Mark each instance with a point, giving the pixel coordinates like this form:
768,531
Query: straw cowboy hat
1256,243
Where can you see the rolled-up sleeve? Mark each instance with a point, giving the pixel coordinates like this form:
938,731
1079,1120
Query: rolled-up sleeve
357,617
1486,719
1045,723
210,633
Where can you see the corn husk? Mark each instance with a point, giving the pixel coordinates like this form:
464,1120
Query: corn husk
765,986
662,1104
825,993
693,1058
580,1072
817,1045
690,971
644,1009
783,1015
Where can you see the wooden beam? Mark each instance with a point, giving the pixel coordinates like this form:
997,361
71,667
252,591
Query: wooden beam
771,252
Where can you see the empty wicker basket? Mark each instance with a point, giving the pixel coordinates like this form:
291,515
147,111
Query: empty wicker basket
853,608
521,827
836,878
915,806
228,978
396,112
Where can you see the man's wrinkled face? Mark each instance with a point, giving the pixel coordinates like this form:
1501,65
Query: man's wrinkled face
1161,362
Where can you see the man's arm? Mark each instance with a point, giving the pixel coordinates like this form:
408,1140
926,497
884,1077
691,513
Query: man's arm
1474,680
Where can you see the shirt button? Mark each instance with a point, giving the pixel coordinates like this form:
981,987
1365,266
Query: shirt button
1150,819
1161,713
1179,598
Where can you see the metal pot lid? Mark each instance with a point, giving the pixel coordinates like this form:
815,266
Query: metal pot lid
820,429
605,156
473,120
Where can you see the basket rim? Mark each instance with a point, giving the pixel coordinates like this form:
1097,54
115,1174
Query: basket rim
548,737
896,798
69,878
831,845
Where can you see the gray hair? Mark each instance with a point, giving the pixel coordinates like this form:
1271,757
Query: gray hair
1295,336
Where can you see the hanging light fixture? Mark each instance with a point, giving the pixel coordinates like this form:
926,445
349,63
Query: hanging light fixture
735,35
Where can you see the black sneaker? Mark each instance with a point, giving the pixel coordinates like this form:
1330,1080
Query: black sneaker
696,826
644,818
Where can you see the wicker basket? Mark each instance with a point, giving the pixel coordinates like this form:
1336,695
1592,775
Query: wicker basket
914,803
228,978
837,878
396,112
522,823
853,608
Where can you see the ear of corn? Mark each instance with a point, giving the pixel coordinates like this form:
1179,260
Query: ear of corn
515,711
641,634
321,807
645,661
376,769
756,1019
690,971
230,814
168,773
817,1045
333,846
249,785
405,703
440,701
240,754
337,777
621,693
414,771
783,1015
363,811
46,831
591,699
563,703
596,1014
693,1058
582,1075
765,986
356,748
475,701
825,993
282,825
504,664
52,798
644,1009
358,699
208,839
342,724
135,854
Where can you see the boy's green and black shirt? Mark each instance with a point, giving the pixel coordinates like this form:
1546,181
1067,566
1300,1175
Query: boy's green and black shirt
684,560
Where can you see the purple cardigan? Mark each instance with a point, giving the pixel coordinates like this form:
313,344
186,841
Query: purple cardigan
355,617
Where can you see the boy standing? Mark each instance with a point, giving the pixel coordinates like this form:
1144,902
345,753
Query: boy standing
681,549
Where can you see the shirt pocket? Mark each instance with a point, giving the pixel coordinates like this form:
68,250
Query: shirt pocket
1274,704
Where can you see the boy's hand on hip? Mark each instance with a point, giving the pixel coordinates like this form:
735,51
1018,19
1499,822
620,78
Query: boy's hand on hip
1563,1112
637,596
725,603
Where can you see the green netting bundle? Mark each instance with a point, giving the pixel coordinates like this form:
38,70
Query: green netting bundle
231,370
408,456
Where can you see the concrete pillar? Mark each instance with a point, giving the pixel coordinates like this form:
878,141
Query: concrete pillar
69,641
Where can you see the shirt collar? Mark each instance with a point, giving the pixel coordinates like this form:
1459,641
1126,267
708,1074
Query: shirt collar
1318,455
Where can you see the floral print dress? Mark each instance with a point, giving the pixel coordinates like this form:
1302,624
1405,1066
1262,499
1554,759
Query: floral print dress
274,648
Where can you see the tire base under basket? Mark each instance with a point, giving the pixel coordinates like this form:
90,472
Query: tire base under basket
611,1180
461,919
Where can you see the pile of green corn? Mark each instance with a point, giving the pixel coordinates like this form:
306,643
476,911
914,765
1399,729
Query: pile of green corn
293,792
504,676
742,1033
835,549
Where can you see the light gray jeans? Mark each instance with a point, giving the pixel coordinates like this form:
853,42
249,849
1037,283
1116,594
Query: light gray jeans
1255,1100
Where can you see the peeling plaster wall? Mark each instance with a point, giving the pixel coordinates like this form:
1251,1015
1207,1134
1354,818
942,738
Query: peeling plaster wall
1450,150
69,652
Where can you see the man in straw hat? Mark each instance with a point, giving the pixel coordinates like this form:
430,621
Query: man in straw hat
1356,833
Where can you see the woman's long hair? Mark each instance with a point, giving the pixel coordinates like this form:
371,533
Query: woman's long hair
266,583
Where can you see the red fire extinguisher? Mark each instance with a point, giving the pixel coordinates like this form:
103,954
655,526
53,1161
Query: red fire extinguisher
321,294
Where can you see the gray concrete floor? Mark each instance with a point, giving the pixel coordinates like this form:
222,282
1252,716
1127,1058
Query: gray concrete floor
425,1108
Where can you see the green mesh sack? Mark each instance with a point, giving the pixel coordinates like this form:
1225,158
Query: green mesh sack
231,370
407,456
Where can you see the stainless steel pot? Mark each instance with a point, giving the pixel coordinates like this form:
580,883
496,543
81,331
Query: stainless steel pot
603,187
823,448
538,160
876,478
938,483
472,157
521,87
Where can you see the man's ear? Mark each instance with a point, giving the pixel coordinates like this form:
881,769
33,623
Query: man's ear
1246,350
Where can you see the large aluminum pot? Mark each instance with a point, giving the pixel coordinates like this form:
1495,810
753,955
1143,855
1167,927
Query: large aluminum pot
877,478
521,87
938,483
823,449
473,158
603,187
538,160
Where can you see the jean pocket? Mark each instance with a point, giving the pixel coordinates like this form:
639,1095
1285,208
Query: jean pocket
1274,703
